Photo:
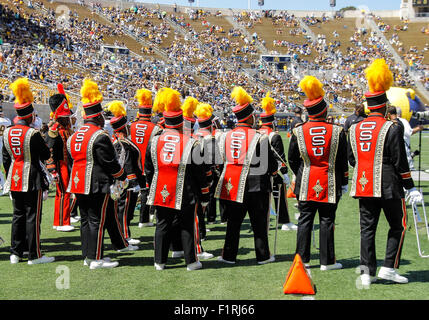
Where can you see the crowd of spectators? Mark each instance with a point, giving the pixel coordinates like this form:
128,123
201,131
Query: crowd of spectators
411,54
204,60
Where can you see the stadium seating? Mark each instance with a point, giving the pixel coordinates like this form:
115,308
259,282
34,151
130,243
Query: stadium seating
205,53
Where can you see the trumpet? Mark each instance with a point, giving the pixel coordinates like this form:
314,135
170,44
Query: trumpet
118,186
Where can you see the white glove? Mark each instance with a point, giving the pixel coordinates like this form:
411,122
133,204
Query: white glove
407,195
45,195
286,180
415,196
344,189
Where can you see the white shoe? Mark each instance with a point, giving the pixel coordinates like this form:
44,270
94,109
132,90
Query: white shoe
225,261
54,227
133,241
65,228
194,266
43,259
96,264
205,255
391,274
74,219
271,259
289,226
334,266
177,254
14,259
129,248
159,266
86,261
366,280
146,224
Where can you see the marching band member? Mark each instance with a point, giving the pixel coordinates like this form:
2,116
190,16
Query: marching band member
276,142
245,182
176,183
381,172
24,152
211,217
95,167
59,164
316,157
141,132
126,204
203,112
189,106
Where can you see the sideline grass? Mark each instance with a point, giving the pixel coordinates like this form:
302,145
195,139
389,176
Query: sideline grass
136,278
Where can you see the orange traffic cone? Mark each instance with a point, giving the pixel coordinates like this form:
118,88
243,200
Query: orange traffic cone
298,281
288,134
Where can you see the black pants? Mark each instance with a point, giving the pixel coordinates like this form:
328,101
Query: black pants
201,222
307,210
396,215
176,238
257,204
27,217
97,214
171,222
73,207
145,210
211,208
283,211
222,205
126,205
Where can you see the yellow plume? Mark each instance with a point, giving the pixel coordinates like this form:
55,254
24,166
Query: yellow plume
171,100
240,96
21,91
312,87
158,104
69,101
379,77
203,111
269,104
144,97
117,108
189,107
90,92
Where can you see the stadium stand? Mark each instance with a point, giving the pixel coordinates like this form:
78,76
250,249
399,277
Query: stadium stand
202,53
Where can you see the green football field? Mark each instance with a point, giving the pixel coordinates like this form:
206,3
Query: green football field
136,278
